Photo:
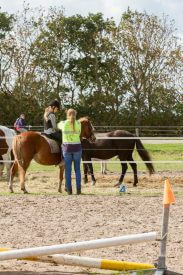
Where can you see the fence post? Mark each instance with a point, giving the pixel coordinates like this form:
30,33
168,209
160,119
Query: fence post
167,200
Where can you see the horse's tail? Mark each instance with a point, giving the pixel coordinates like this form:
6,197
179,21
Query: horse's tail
16,150
144,155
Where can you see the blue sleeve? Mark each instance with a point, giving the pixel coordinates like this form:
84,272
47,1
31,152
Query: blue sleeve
21,122
18,123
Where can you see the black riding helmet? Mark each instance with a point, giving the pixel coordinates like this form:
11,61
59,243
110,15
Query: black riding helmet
55,103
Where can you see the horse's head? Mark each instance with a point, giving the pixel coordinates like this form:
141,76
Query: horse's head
87,129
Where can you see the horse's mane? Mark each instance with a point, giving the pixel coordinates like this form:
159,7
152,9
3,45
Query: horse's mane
85,118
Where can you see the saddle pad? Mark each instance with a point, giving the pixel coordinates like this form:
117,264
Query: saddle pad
53,145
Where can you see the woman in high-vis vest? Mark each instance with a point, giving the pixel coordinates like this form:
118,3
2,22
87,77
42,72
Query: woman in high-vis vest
71,148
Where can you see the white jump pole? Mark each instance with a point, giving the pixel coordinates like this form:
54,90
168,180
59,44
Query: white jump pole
77,246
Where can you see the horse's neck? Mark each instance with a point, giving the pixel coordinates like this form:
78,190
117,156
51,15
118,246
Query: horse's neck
100,144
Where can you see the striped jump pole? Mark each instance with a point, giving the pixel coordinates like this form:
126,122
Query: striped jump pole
93,262
77,246
88,262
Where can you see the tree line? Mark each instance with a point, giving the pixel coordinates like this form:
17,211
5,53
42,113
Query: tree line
118,74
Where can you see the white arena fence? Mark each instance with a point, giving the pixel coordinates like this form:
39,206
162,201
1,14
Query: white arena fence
156,130
102,136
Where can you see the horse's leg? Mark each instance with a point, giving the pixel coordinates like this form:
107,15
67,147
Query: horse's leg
8,167
85,170
22,172
1,169
6,159
13,172
134,168
10,159
61,176
124,167
103,167
1,166
90,167
22,168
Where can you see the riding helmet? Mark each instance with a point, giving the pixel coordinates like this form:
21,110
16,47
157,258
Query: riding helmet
55,103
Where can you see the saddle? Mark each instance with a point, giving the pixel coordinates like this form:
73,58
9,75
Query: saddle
54,146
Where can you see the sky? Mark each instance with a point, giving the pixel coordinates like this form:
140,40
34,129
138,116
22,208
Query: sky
109,8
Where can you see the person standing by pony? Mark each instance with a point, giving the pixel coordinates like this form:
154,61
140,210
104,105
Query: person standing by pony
20,124
72,150
50,125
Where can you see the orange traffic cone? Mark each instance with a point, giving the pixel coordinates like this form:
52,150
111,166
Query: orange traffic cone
168,193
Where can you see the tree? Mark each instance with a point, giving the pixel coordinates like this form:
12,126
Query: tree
25,86
94,65
51,53
6,24
150,56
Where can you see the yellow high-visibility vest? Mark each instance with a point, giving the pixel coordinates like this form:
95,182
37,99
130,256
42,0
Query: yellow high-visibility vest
68,135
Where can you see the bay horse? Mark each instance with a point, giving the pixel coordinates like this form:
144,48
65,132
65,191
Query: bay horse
114,146
6,154
32,145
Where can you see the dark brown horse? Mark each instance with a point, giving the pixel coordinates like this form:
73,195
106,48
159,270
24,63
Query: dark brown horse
117,143
32,145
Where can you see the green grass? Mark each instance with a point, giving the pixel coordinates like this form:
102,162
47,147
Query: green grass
163,152
158,152
35,167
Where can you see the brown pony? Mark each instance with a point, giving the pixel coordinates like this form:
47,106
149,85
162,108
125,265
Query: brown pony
32,145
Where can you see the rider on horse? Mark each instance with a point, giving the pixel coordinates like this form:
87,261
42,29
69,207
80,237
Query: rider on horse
20,124
50,125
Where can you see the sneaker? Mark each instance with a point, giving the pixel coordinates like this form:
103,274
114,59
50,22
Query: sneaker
69,192
78,192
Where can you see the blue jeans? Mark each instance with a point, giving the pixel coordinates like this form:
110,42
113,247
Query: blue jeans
68,159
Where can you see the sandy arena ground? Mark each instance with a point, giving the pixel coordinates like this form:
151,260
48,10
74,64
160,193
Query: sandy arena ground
45,217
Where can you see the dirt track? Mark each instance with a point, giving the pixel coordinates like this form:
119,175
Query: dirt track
44,217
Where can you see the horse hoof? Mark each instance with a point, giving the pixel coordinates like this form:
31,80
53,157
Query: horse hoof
60,190
25,191
93,183
117,184
135,185
11,190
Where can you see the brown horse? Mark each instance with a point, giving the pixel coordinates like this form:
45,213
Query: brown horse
32,145
117,143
